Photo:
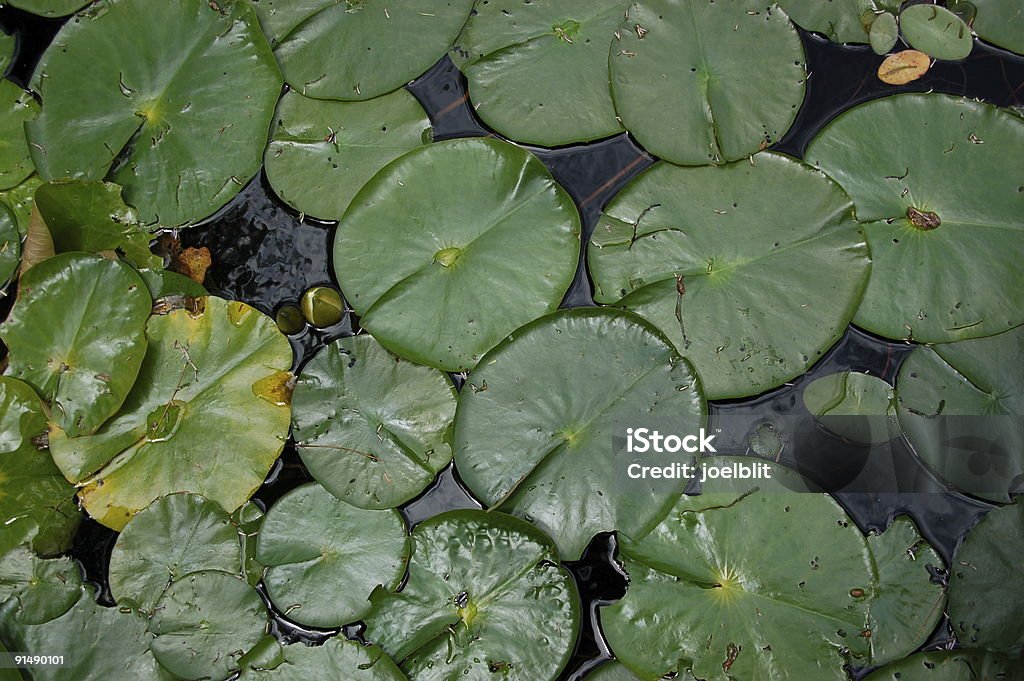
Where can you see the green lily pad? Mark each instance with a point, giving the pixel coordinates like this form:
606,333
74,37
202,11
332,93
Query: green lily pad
885,31
612,671
927,228
172,537
208,414
336,658
16,107
954,665
324,557
167,284
854,406
204,623
538,71
756,579
43,589
180,125
49,8
1000,23
321,153
439,281
373,429
77,335
961,404
486,598
37,504
92,216
535,424
753,271
372,46
696,100
936,31
20,200
841,21
985,590
10,244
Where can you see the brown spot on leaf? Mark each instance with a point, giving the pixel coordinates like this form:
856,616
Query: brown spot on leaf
923,220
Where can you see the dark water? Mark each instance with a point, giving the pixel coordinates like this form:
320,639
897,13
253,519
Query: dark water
266,256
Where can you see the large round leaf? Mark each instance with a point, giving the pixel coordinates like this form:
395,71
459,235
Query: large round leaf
841,21
985,589
486,598
10,244
324,557
914,164
440,281
172,101
172,537
855,406
49,8
16,107
752,270
373,429
756,579
36,502
359,49
43,590
699,83
337,658
955,665
961,405
204,623
1000,23
538,71
77,335
321,153
535,423
208,414
936,31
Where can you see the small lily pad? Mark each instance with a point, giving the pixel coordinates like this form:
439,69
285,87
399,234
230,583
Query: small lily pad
77,335
953,665
16,107
904,67
49,8
20,200
336,658
696,100
885,31
321,153
1000,23
324,557
42,589
486,598
939,246
439,281
854,406
10,244
373,429
936,31
841,21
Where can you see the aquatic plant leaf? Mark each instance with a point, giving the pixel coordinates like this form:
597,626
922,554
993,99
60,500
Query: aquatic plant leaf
536,420
765,579
16,107
167,284
538,71
77,335
373,429
613,671
854,406
696,100
440,281
321,153
904,67
486,598
204,623
324,557
841,21
49,8
20,200
208,414
961,404
38,243
885,31
10,244
43,590
953,665
939,246
8,44
371,46
1000,23
936,31
753,271
181,125
336,658
175,535
985,590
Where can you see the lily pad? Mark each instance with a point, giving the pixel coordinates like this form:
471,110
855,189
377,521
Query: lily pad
854,406
10,244
754,579
180,125
166,284
172,537
985,590
954,665
336,658
925,226
43,590
904,67
20,200
204,623
841,21
373,429
324,557
440,281
538,71
535,424
208,414
611,671
49,8
36,503
16,107
1000,23
753,271
77,335
696,100
961,404
371,46
885,31
92,216
321,153
936,31
486,598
